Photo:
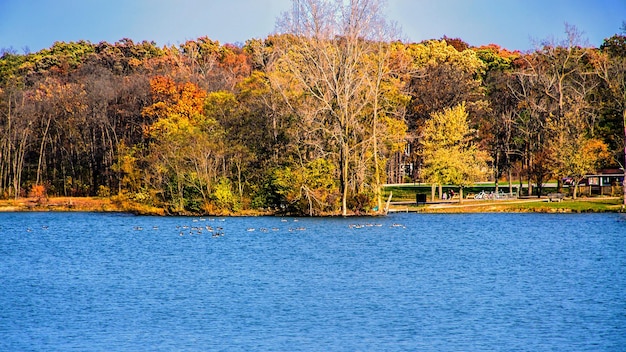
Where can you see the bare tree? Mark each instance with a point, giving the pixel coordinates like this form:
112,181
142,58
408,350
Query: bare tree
330,44
16,127
553,87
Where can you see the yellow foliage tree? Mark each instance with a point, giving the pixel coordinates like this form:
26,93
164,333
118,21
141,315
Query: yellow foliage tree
580,156
450,156
436,52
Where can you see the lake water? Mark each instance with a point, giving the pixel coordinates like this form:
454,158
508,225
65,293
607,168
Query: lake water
406,282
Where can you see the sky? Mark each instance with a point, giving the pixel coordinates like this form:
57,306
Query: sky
32,25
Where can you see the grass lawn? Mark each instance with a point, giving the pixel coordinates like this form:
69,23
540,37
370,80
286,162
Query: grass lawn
581,205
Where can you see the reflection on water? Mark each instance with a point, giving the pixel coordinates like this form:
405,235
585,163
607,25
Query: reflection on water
80,281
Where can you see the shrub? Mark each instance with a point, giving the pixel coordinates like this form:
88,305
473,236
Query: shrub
360,202
104,191
223,196
38,191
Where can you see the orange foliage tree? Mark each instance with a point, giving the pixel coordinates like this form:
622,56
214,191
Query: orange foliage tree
186,145
38,191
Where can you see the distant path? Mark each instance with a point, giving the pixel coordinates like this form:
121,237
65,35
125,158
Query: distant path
472,202
477,184
478,203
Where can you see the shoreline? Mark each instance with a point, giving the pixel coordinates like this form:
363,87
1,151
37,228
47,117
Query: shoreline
603,204
104,205
61,204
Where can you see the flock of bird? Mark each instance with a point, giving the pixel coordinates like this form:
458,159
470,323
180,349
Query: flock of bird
214,231
30,229
200,229
218,231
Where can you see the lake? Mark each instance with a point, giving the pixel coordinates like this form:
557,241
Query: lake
405,282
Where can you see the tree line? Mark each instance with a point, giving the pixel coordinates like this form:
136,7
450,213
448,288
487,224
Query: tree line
310,120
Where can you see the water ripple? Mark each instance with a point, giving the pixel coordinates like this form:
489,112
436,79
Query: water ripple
491,282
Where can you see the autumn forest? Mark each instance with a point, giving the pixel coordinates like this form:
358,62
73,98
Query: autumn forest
313,119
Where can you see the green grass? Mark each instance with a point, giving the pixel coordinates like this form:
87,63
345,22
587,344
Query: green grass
587,205
407,192
403,193
582,205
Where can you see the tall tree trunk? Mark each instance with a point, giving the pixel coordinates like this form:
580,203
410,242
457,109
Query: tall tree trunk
521,182
624,182
19,163
5,152
41,150
239,181
509,178
344,178
497,170
432,192
379,202
530,184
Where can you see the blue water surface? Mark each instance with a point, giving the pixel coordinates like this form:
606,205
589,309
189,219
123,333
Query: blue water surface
406,282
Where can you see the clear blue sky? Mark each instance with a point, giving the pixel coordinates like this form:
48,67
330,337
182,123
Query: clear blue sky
513,24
